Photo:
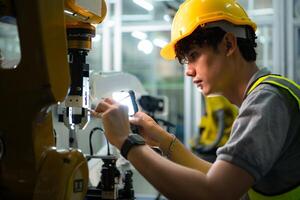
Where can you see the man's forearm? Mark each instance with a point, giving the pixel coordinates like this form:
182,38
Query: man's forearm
181,155
173,180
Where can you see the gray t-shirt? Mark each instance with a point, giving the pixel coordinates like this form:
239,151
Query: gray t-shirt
265,139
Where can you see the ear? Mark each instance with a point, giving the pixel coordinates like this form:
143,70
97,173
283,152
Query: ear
230,43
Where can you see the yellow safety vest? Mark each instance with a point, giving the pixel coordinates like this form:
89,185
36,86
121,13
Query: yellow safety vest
294,89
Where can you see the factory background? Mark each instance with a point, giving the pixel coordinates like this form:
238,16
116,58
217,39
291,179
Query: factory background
134,31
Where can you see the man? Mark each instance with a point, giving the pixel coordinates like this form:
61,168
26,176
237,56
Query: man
261,160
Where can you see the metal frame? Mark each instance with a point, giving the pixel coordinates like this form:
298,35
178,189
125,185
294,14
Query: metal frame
293,26
106,53
279,37
290,44
117,63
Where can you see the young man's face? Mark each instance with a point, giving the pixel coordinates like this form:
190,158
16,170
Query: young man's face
208,69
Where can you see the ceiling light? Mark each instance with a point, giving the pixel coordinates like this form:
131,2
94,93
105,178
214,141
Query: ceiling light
167,18
145,46
159,42
139,35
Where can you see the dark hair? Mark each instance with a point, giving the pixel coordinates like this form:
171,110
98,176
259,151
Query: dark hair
212,37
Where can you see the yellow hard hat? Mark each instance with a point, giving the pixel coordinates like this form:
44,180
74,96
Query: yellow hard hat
193,13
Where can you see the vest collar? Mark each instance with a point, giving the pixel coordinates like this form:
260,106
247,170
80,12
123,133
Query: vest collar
260,73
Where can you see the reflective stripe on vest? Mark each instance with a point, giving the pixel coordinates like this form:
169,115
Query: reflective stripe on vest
294,89
290,195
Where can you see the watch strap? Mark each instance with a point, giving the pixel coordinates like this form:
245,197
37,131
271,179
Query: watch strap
131,141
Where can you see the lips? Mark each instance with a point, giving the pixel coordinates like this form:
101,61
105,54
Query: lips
198,83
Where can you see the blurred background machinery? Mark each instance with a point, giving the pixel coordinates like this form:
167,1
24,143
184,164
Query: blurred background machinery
143,26
36,72
214,127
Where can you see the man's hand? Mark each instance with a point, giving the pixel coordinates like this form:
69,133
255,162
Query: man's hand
115,121
149,129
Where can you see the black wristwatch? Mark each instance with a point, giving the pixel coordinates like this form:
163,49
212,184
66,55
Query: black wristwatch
131,141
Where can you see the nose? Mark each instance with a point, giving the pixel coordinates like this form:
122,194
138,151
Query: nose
190,71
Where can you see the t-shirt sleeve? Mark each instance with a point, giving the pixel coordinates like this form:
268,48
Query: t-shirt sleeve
259,132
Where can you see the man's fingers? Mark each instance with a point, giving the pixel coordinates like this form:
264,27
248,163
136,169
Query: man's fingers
102,107
134,120
107,104
110,101
96,114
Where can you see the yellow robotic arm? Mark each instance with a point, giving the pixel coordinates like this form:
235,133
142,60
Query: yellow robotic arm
77,13
215,126
30,167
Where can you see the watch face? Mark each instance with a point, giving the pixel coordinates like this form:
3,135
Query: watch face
137,139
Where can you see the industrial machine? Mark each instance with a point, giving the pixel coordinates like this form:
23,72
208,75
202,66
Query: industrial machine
55,38
115,181
30,166
214,127
110,176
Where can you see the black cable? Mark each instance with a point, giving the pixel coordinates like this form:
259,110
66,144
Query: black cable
55,135
158,196
108,150
90,140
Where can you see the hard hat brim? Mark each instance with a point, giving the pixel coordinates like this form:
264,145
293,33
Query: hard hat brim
168,51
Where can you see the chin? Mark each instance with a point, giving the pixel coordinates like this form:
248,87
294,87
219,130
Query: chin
204,92
200,90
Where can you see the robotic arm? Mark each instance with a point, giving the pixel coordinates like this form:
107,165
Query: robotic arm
30,167
80,31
